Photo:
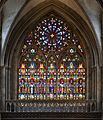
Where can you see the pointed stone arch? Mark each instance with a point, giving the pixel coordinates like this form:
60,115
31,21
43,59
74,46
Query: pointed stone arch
18,33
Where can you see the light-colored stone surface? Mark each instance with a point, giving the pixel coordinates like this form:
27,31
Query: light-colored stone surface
31,4
93,11
73,5
10,11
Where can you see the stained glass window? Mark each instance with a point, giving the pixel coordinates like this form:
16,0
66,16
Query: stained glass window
52,63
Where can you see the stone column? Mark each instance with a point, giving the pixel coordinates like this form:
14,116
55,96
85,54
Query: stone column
13,85
7,83
89,83
99,89
0,91
102,88
3,88
0,58
102,61
95,85
94,82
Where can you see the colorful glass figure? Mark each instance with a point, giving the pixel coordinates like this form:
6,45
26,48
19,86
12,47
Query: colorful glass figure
51,82
41,81
62,82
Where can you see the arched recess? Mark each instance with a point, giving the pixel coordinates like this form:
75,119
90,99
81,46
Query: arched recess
17,35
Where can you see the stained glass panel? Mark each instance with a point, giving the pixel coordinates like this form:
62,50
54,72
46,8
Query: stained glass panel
52,63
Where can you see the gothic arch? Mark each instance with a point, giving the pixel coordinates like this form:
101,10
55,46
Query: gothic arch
18,34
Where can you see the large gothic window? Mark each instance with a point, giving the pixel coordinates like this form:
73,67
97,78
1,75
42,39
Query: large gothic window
52,63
